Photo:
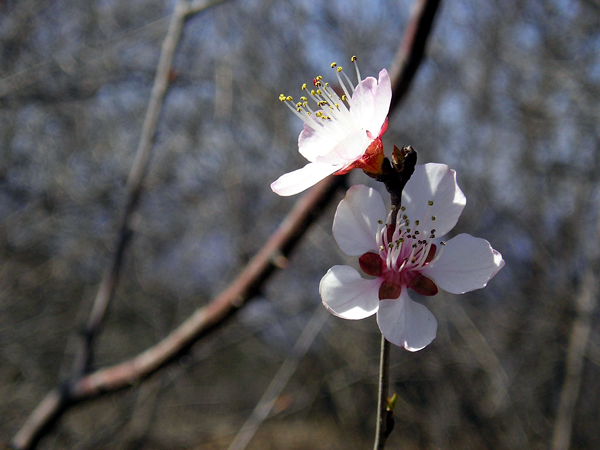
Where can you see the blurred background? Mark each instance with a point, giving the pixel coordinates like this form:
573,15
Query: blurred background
508,96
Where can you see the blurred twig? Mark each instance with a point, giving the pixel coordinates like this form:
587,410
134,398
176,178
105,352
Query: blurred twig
49,410
280,380
273,255
578,340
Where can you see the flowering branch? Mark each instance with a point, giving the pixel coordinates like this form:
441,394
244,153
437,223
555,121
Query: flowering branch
85,385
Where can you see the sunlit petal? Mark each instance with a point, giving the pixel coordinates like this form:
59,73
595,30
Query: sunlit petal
406,323
346,294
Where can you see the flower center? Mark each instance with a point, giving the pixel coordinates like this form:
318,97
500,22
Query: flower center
333,111
405,249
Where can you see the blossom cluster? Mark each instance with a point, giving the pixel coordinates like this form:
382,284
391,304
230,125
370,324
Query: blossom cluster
399,249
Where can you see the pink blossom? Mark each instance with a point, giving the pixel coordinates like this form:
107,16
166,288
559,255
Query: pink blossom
405,255
342,133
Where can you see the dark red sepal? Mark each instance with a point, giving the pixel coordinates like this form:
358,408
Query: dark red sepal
389,290
371,264
423,285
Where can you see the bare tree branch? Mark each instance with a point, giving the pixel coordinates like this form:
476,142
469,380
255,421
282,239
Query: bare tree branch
410,53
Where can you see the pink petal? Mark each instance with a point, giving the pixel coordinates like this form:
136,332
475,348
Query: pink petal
382,101
347,295
406,323
363,101
437,183
299,180
316,142
467,263
355,223
349,149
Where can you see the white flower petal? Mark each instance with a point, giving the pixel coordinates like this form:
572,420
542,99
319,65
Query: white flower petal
467,263
406,323
355,222
315,142
299,180
348,150
437,183
382,101
363,101
347,295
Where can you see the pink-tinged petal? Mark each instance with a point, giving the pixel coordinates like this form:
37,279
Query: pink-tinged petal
371,161
355,223
467,263
363,101
347,295
299,180
437,183
349,149
315,142
406,323
382,101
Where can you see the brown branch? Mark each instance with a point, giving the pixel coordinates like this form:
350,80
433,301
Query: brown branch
183,9
273,255
410,54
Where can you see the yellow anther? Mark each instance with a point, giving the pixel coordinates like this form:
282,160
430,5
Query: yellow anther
430,202
281,98
289,98
353,58
304,99
319,92
344,97
313,92
333,64
299,109
339,69
304,87
299,105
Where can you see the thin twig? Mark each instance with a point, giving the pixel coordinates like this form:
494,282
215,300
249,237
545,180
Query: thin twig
84,361
578,340
384,386
280,380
